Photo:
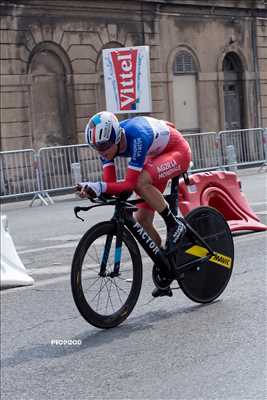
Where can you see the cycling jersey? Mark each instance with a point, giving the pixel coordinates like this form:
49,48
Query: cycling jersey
144,136
146,139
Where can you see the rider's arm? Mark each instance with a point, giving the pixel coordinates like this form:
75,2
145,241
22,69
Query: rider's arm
139,144
109,172
127,185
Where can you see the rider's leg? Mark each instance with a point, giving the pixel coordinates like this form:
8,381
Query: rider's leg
145,218
153,179
149,192
155,200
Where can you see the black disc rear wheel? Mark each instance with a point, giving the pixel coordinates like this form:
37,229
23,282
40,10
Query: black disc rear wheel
207,280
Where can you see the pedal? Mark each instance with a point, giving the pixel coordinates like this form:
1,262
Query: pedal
162,292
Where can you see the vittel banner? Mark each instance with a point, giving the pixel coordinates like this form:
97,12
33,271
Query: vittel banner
127,79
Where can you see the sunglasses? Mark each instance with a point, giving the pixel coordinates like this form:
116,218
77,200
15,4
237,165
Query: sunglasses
102,146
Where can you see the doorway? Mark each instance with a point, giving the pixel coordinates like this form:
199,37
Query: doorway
233,92
51,110
185,92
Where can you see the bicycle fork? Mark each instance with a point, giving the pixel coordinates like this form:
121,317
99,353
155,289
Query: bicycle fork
117,254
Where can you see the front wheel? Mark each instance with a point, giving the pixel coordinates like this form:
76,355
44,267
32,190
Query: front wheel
207,280
106,275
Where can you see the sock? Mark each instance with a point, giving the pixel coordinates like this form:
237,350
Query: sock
168,217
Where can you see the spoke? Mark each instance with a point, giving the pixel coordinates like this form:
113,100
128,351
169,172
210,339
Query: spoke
97,304
91,269
95,259
101,288
92,284
122,290
109,297
118,293
97,256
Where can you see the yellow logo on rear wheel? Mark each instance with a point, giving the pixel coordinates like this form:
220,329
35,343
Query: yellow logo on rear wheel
218,258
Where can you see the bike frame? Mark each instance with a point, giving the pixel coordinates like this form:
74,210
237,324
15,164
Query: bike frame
167,263
150,247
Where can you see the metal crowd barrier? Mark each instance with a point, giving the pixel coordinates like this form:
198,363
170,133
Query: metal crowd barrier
59,164
242,147
18,173
64,166
204,147
26,172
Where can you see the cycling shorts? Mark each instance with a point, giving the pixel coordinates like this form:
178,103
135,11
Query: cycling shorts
173,161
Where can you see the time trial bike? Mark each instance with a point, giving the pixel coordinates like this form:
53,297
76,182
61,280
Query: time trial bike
106,273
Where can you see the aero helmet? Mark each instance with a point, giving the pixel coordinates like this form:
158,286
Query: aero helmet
103,130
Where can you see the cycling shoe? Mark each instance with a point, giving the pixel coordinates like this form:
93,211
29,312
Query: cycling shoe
162,292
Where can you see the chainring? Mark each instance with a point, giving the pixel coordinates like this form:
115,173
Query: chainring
160,281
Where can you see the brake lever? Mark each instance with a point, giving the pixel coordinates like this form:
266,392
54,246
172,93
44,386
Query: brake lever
77,209
98,202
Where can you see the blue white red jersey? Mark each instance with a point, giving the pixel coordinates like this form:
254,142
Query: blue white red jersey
148,137
145,136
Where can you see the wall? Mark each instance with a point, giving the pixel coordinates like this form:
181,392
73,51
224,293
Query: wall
76,32
80,32
261,40
209,37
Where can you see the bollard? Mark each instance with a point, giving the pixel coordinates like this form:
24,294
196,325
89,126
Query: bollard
231,157
218,144
76,175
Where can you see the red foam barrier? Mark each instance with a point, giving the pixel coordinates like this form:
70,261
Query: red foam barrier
221,190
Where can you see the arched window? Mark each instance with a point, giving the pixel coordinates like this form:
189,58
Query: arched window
185,96
232,63
51,97
184,63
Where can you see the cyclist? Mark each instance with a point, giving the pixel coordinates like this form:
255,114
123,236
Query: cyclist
157,152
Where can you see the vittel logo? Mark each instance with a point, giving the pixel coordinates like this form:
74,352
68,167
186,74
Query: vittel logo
152,245
124,62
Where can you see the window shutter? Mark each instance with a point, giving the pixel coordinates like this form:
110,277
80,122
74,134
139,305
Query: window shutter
184,63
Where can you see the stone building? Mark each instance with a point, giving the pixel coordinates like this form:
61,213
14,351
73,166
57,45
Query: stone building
208,62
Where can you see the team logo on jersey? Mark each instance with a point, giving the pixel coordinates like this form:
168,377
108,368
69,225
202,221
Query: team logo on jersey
137,147
167,168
